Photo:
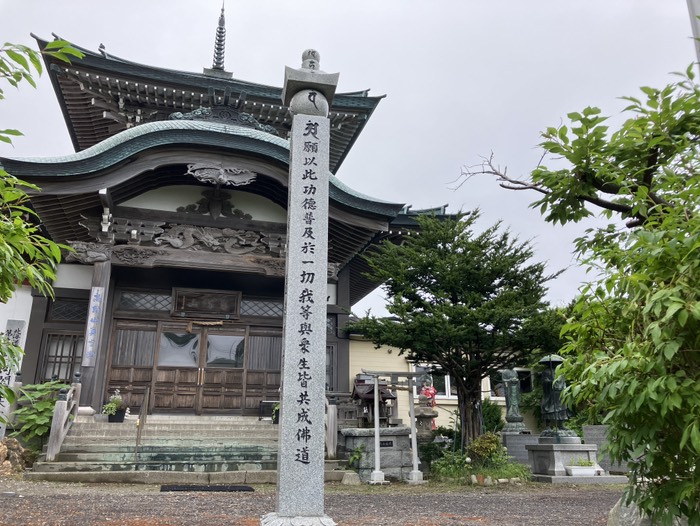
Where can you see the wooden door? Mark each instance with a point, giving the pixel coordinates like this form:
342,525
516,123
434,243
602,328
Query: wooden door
199,371
177,374
193,368
263,364
222,380
132,360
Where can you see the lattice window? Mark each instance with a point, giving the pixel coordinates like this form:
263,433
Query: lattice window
146,301
265,351
271,308
63,353
331,323
134,346
68,310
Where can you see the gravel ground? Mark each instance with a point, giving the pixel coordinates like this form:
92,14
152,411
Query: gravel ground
25,503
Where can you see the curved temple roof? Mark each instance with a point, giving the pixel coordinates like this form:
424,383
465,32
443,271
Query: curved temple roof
156,154
55,174
120,117
101,95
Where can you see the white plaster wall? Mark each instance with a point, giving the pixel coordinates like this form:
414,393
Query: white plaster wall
18,307
169,198
73,276
332,294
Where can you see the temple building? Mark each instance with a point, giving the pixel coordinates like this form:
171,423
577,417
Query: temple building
175,207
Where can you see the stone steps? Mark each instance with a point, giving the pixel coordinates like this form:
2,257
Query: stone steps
166,455
171,477
173,449
191,447
201,465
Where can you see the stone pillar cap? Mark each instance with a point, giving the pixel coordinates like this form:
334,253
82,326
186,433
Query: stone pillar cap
309,76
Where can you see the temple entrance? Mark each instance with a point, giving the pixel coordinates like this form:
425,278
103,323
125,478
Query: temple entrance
197,367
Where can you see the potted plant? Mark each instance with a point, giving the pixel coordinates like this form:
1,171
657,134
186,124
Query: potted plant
584,467
115,408
276,413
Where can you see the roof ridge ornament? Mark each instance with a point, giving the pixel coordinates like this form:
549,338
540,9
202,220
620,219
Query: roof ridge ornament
224,114
220,42
219,174
217,68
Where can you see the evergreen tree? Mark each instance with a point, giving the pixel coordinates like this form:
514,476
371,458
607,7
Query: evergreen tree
459,301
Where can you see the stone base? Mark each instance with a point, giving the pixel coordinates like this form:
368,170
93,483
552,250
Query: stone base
550,459
598,479
515,427
86,410
377,477
415,477
559,440
272,519
516,443
351,478
395,454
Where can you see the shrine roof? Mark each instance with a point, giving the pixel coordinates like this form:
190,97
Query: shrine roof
101,95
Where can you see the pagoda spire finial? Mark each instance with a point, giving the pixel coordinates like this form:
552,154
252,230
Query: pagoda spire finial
217,68
220,42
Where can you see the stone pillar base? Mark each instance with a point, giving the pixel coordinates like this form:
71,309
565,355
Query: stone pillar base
415,477
273,519
377,477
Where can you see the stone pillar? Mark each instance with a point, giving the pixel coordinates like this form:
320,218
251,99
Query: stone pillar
91,393
308,93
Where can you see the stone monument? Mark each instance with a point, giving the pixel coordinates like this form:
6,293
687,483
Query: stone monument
515,436
511,386
559,449
425,416
308,92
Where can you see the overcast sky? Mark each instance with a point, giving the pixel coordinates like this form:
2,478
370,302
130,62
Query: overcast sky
462,79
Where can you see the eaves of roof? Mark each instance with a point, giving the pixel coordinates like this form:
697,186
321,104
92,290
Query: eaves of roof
119,148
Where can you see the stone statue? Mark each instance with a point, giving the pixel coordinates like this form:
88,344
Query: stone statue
511,386
429,393
554,412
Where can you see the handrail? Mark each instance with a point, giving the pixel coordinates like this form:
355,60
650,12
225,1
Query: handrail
64,413
141,421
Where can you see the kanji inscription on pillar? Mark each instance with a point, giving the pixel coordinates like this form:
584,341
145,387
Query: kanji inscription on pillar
300,463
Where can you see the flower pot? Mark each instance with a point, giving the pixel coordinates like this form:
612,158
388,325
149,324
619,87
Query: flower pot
580,471
118,416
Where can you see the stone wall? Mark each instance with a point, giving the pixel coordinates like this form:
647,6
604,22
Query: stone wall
597,435
395,456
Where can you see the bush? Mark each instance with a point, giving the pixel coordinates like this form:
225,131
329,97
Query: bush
492,416
452,466
487,451
456,467
436,448
37,402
